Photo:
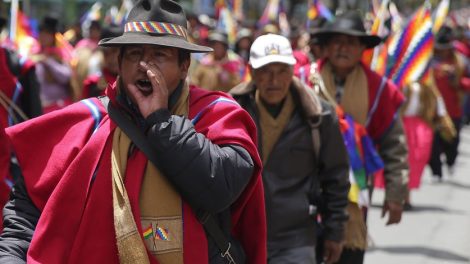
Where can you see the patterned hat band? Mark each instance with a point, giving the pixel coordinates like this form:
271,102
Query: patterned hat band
156,27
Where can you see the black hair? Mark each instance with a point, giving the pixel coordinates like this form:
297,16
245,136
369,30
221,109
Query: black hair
324,39
49,24
3,22
183,55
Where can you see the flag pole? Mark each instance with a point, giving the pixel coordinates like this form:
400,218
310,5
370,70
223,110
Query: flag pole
13,19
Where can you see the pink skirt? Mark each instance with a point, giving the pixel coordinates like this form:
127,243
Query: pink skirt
419,136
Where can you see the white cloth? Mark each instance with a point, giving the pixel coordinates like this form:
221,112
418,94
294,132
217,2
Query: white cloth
414,102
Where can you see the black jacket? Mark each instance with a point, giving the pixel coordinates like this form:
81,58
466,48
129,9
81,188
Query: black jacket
186,155
293,177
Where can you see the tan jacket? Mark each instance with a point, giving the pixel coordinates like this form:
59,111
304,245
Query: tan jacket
217,75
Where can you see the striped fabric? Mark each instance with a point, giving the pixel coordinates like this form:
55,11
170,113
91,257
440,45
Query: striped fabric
95,112
156,27
161,234
205,109
413,49
148,232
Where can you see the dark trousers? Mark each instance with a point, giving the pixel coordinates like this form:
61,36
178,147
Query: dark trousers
351,256
298,255
440,146
466,109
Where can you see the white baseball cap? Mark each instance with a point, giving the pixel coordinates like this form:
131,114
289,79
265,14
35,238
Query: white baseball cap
271,48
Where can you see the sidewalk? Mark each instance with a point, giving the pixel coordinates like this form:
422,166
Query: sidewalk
437,230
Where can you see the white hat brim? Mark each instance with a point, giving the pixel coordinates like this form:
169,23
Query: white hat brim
260,62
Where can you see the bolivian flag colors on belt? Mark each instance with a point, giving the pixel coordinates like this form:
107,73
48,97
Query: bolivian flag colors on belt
148,232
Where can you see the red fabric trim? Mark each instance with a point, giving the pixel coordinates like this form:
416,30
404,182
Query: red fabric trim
4,171
92,80
448,90
26,66
88,83
76,224
8,81
389,103
463,48
8,85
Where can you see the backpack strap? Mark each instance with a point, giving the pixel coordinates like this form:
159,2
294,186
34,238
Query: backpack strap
314,124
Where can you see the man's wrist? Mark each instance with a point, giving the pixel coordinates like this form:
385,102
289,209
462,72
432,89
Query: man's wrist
159,116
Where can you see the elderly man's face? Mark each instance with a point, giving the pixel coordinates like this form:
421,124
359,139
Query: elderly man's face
273,81
164,59
344,51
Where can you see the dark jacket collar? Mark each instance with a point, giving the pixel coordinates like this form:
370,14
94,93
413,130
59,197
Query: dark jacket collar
309,101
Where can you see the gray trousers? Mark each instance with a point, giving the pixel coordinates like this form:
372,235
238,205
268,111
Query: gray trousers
299,255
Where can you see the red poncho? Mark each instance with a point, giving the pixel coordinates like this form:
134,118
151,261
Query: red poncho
65,157
93,80
384,102
12,89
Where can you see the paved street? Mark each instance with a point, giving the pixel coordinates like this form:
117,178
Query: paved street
437,231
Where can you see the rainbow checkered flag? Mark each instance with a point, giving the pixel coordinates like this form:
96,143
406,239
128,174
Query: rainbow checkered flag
124,10
64,45
227,24
270,13
237,7
370,56
363,160
23,37
161,234
411,50
94,13
317,9
439,15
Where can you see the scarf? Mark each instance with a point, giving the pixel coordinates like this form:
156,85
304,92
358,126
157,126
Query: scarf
272,128
74,193
162,221
355,99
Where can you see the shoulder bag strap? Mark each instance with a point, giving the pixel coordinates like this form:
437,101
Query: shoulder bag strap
138,138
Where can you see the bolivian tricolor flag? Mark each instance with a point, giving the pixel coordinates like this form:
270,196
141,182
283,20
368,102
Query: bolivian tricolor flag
148,232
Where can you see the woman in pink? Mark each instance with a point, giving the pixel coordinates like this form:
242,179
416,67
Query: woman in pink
424,106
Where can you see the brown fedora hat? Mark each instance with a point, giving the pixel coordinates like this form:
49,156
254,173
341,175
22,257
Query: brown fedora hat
348,23
156,22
